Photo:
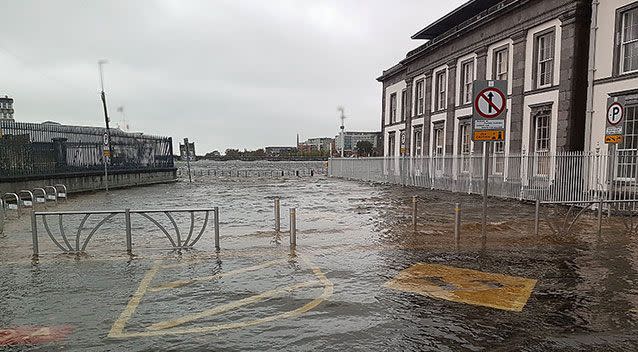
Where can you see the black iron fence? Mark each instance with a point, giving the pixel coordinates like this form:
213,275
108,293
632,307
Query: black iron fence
31,149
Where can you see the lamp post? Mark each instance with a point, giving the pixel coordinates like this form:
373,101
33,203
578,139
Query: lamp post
107,136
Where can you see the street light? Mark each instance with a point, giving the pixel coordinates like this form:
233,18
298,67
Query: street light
108,151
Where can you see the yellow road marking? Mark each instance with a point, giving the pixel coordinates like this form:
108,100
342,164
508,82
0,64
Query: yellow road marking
465,286
117,331
181,283
230,306
127,313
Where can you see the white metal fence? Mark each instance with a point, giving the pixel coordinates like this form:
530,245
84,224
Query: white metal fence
563,177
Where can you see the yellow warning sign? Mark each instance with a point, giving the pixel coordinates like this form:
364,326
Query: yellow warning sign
615,139
489,135
465,286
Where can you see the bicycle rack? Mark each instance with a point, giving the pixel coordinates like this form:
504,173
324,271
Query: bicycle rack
60,191
40,195
26,198
53,195
11,206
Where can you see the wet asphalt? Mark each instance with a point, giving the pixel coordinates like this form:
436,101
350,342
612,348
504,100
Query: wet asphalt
329,294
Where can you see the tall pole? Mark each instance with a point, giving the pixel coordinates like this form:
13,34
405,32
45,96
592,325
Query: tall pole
107,140
343,129
486,164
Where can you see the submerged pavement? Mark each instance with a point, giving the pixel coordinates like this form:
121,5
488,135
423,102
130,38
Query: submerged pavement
360,278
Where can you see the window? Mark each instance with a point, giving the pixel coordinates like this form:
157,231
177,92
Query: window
627,150
418,140
541,142
501,64
467,75
391,143
544,59
498,158
465,147
393,108
404,100
420,97
402,140
438,145
440,96
629,41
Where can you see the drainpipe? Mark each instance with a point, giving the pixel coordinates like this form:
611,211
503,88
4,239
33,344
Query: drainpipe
589,119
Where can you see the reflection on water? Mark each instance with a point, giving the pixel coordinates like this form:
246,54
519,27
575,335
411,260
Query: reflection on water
359,235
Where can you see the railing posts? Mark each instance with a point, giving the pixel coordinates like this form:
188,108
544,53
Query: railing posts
216,220
277,215
414,212
1,216
600,216
537,214
34,234
129,239
457,225
293,227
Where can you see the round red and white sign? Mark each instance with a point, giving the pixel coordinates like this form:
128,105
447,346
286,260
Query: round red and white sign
490,102
615,113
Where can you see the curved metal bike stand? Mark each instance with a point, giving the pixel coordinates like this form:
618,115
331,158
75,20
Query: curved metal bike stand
51,193
12,206
26,198
40,196
60,191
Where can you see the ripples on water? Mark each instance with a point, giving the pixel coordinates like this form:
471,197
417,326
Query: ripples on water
359,235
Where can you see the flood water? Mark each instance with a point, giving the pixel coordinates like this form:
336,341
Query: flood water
329,294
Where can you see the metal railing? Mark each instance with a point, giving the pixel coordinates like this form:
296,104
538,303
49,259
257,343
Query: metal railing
31,149
78,243
561,177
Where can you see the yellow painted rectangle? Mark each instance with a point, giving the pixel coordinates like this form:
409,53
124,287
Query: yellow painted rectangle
489,135
615,139
107,152
465,286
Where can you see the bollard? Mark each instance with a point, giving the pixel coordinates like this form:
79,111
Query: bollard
457,225
129,239
277,215
293,227
537,214
312,173
34,234
600,216
216,220
414,212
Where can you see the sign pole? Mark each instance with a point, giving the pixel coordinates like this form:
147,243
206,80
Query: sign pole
188,159
486,164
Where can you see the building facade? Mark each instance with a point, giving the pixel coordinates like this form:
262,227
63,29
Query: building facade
539,47
348,140
6,108
316,144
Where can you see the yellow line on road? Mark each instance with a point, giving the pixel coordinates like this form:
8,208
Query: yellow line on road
118,327
230,306
180,283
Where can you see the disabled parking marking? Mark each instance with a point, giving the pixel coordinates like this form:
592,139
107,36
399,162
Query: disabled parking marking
465,286
168,327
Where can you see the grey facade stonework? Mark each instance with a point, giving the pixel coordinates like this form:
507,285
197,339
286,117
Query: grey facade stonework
506,20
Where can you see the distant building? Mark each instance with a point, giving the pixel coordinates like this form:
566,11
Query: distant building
316,144
183,155
6,108
348,140
277,151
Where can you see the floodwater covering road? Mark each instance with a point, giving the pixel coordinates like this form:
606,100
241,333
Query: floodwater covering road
361,278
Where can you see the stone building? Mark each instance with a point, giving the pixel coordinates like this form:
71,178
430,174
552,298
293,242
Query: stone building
6,108
539,46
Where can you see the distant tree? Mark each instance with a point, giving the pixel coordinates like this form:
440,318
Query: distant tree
233,153
364,148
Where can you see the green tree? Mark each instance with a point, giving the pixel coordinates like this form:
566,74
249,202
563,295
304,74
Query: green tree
364,148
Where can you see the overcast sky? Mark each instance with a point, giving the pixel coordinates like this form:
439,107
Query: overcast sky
226,73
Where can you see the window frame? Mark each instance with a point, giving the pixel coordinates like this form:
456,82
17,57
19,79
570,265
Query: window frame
419,99
536,58
623,44
393,108
417,140
496,74
466,87
465,145
404,99
542,162
624,152
391,143
440,90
